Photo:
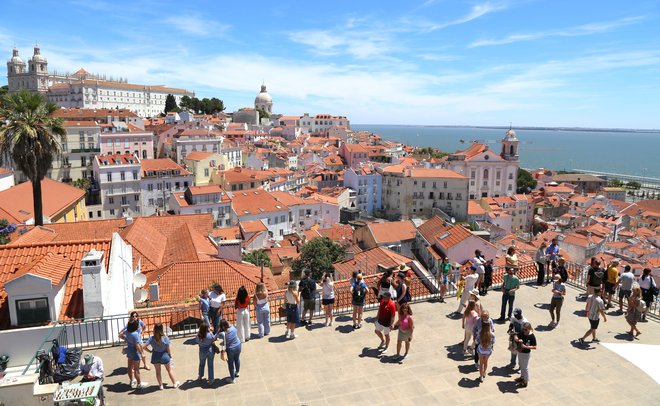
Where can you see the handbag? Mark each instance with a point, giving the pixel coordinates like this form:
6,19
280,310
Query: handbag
216,349
282,311
223,355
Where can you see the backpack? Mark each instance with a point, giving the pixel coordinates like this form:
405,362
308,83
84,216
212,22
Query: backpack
359,292
305,291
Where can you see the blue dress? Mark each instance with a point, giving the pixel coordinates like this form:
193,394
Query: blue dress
159,354
131,352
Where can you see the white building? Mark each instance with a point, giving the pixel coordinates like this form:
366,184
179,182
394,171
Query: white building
416,192
258,204
79,148
369,187
119,177
85,90
491,174
160,179
204,199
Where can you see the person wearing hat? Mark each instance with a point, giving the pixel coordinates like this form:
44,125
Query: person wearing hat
515,328
385,320
558,293
470,282
611,280
91,369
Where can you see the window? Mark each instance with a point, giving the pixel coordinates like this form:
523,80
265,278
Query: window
135,175
150,188
159,186
98,213
473,174
31,311
485,174
498,175
509,188
83,161
151,202
459,196
124,200
111,200
206,171
122,175
510,176
112,212
137,198
90,214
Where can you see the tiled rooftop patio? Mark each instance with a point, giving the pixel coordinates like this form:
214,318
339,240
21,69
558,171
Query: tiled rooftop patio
336,365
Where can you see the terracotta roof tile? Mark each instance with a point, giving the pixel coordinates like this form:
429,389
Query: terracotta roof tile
393,231
368,262
17,201
161,164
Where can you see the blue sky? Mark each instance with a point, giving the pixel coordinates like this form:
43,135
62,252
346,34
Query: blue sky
443,62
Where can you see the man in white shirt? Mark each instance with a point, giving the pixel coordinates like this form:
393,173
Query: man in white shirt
91,369
470,282
479,261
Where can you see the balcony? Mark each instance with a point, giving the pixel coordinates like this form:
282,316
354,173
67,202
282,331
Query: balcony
78,150
122,191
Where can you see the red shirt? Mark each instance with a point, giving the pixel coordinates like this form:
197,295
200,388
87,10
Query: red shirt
243,305
386,312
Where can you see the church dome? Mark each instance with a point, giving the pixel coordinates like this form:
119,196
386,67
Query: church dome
37,57
263,96
510,135
15,58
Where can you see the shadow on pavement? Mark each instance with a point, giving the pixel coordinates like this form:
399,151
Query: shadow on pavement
345,329
190,341
507,387
541,327
544,306
370,352
455,352
277,339
119,387
502,371
580,313
468,368
585,347
344,318
468,383
624,337
391,359
119,371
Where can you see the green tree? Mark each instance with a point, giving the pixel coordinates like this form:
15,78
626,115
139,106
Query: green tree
526,183
256,257
215,105
318,255
170,104
616,182
82,183
634,185
4,90
32,137
262,113
186,103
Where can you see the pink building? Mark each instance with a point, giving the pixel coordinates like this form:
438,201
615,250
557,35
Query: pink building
354,154
126,139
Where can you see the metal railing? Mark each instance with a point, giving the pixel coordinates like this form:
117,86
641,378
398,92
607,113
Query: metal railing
184,320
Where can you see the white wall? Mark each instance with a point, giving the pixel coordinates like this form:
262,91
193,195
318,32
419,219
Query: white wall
21,344
119,293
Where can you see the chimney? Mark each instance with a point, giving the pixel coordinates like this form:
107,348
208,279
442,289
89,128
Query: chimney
230,249
94,283
129,221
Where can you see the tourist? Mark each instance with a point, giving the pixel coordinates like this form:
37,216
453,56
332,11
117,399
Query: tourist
91,369
205,340
560,269
406,326
474,296
353,279
515,328
552,254
479,261
262,309
204,306
385,320
526,341
611,279
511,259
484,337
402,290
358,296
625,283
443,277
291,300
557,300
636,307
510,284
161,354
488,277
594,276
307,288
470,317
232,345
385,284
595,308
242,305
217,297
649,290
470,281
134,354
328,298
541,260
122,334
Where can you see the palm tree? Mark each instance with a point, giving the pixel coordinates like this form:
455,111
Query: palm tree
32,137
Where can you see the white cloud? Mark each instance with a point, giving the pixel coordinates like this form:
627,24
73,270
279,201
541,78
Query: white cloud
358,43
197,25
581,30
477,11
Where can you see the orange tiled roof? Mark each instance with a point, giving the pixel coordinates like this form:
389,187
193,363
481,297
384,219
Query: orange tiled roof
393,231
368,262
161,164
197,156
17,201
474,209
436,230
50,266
69,232
255,201
253,226
81,123
181,281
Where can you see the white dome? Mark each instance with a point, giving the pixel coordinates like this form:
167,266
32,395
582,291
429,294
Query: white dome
37,57
263,96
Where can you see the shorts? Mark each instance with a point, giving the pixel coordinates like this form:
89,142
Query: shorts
133,355
484,351
160,358
404,335
610,287
445,279
328,301
594,323
357,304
309,304
292,314
624,293
383,329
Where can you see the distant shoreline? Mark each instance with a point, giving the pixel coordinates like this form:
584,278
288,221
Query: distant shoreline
620,130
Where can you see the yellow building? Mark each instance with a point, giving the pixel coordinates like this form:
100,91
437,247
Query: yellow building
202,165
62,203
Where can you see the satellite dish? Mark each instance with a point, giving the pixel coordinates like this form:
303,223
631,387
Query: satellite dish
140,295
453,220
139,280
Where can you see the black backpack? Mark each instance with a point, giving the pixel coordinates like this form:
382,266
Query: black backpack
305,292
359,292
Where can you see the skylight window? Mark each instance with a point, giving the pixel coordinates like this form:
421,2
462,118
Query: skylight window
445,235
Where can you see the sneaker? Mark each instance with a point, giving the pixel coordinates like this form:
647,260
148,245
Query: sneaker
581,341
481,378
556,326
355,326
142,385
177,384
210,381
519,379
330,323
359,325
294,335
384,350
327,324
442,300
237,374
160,387
382,344
234,380
522,384
286,334
595,340
133,384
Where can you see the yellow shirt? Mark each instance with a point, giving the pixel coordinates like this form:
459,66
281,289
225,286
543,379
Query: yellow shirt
612,275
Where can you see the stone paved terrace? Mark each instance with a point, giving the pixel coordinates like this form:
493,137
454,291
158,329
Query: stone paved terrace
335,365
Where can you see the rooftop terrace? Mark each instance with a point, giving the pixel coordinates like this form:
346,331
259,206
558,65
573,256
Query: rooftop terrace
336,365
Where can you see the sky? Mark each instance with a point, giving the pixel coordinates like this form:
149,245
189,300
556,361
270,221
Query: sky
581,63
